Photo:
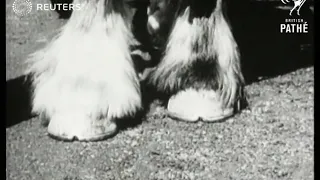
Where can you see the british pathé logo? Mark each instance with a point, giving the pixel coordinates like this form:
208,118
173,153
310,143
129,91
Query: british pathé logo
294,25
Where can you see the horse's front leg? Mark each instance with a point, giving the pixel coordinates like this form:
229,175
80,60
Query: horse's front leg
84,79
292,10
298,11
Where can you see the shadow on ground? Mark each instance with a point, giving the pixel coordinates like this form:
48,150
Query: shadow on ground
265,51
18,104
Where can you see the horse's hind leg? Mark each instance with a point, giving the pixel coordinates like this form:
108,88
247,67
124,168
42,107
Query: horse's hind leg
298,11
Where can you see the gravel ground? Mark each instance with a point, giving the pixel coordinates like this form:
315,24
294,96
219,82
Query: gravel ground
273,139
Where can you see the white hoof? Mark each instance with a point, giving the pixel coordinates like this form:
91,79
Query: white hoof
194,105
73,126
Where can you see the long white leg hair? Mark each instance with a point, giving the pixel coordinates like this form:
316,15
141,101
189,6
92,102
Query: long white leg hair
84,78
200,62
